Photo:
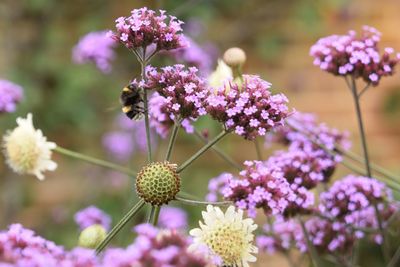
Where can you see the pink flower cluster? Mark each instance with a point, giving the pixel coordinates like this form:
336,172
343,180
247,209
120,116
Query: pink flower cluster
281,235
161,120
352,201
21,247
145,27
10,95
354,55
217,185
95,47
249,109
92,215
183,90
260,187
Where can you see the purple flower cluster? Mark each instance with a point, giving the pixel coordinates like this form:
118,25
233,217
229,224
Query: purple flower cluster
95,47
145,27
10,95
260,187
217,185
92,215
172,218
127,138
183,90
161,120
352,201
194,55
280,235
354,55
155,248
249,108
21,247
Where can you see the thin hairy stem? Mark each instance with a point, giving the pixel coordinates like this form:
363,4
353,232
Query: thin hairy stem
128,216
310,247
219,151
258,149
201,151
151,214
143,64
95,161
360,125
172,139
200,202
363,91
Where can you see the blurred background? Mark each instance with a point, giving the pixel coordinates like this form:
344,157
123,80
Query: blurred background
76,105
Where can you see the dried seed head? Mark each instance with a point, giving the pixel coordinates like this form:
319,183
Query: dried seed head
158,183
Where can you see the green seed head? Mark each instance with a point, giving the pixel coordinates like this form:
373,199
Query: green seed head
158,183
92,236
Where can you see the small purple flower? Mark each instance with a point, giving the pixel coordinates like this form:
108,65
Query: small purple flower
217,185
260,187
172,218
144,27
92,215
354,55
95,47
10,95
249,108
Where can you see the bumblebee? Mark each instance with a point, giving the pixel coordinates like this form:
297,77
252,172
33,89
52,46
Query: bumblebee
132,102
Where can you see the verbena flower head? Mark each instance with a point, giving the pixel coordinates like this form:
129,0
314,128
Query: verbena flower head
355,55
161,248
10,95
249,109
27,151
352,201
146,27
21,247
161,119
95,47
227,235
184,91
260,187
172,218
279,236
90,216
326,236
353,193
217,185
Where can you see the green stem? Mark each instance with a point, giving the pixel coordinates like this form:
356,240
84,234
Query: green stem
195,202
95,161
151,214
128,216
201,151
310,247
146,109
258,149
360,125
172,139
220,152
157,210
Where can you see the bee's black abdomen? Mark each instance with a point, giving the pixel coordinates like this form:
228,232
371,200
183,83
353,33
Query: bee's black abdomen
132,102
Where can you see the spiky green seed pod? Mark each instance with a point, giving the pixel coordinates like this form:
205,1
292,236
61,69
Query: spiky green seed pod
92,236
158,183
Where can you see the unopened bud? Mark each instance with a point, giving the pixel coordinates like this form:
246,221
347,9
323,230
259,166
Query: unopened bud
92,236
234,57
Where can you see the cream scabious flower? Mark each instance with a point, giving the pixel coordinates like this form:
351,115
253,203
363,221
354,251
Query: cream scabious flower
227,236
221,74
27,151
